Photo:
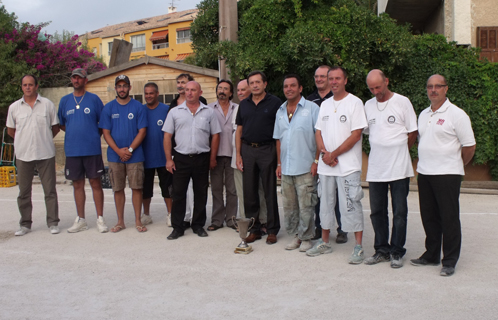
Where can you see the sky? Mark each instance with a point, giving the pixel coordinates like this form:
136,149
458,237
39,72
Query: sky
88,15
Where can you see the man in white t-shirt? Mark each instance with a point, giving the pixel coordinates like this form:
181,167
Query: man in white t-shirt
392,129
341,121
446,145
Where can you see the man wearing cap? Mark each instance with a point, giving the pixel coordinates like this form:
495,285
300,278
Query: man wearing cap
79,116
32,123
124,124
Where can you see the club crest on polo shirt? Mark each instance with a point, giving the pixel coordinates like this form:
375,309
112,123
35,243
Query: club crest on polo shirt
160,122
440,122
130,116
343,118
391,119
87,110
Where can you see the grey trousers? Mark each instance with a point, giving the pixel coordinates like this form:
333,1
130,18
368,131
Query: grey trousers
239,180
222,175
46,171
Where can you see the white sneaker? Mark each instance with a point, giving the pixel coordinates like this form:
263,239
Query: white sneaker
305,245
168,219
54,230
101,226
22,231
78,225
294,244
146,219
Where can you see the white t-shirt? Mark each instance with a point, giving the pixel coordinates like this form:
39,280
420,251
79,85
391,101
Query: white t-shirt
389,158
442,134
336,127
233,164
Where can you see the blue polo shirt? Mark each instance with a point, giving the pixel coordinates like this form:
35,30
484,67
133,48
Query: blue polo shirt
82,125
124,121
153,142
297,137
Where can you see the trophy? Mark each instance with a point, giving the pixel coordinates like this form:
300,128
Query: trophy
243,225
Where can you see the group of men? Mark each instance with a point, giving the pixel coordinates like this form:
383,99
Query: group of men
313,145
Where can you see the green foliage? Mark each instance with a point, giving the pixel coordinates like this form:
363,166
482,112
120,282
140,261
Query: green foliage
63,37
296,36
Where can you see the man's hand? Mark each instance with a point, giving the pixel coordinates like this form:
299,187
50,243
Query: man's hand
239,163
170,166
124,154
329,158
212,163
278,172
314,169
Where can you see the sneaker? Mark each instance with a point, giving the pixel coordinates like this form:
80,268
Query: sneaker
396,261
305,246
376,258
294,244
357,255
22,231
146,219
422,262
168,220
78,225
447,271
101,226
54,230
342,237
319,248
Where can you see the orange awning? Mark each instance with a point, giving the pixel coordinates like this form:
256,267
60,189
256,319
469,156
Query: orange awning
182,56
163,57
159,35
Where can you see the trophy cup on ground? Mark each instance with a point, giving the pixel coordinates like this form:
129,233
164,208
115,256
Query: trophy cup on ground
243,224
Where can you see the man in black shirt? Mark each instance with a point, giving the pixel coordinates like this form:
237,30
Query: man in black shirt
181,83
322,93
257,155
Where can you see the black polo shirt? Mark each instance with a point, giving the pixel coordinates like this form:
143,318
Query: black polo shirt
174,103
315,97
258,121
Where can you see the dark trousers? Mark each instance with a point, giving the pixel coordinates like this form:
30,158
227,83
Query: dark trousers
197,168
380,217
260,162
337,215
440,212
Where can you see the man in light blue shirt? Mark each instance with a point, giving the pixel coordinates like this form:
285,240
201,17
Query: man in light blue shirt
297,162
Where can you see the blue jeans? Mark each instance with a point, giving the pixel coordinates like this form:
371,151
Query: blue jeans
380,218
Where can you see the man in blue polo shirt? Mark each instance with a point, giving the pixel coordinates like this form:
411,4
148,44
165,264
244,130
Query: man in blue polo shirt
155,159
79,116
124,124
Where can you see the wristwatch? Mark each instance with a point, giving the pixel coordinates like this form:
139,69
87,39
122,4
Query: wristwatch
316,161
130,149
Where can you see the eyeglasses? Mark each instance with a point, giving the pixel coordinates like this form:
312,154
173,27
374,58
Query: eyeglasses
124,86
437,86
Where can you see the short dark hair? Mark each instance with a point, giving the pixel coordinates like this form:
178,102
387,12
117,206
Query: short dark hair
229,83
152,85
324,66
256,72
339,68
185,75
30,75
295,76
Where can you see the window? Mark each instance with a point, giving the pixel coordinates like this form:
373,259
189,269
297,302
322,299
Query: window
183,36
138,97
109,46
138,42
166,98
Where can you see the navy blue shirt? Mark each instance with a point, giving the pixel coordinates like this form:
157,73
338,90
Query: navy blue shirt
315,97
153,142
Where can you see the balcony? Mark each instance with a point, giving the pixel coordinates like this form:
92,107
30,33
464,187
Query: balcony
160,46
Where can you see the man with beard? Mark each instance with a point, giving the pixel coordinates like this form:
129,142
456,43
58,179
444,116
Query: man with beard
222,174
155,159
79,116
124,124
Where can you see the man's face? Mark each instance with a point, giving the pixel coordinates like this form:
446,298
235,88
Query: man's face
223,93
78,82
123,89
151,95
292,89
321,82
28,86
257,84
192,92
337,81
378,87
436,90
181,83
243,90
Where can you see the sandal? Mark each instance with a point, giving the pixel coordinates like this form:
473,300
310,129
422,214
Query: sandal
141,228
117,228
213,227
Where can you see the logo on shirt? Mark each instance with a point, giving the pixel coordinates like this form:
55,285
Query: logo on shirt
391,119
371,121
115,116
69,112
325,118
130,116
160,122
86,111
343,118
440,122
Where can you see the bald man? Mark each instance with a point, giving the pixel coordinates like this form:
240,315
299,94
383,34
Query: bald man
392,129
